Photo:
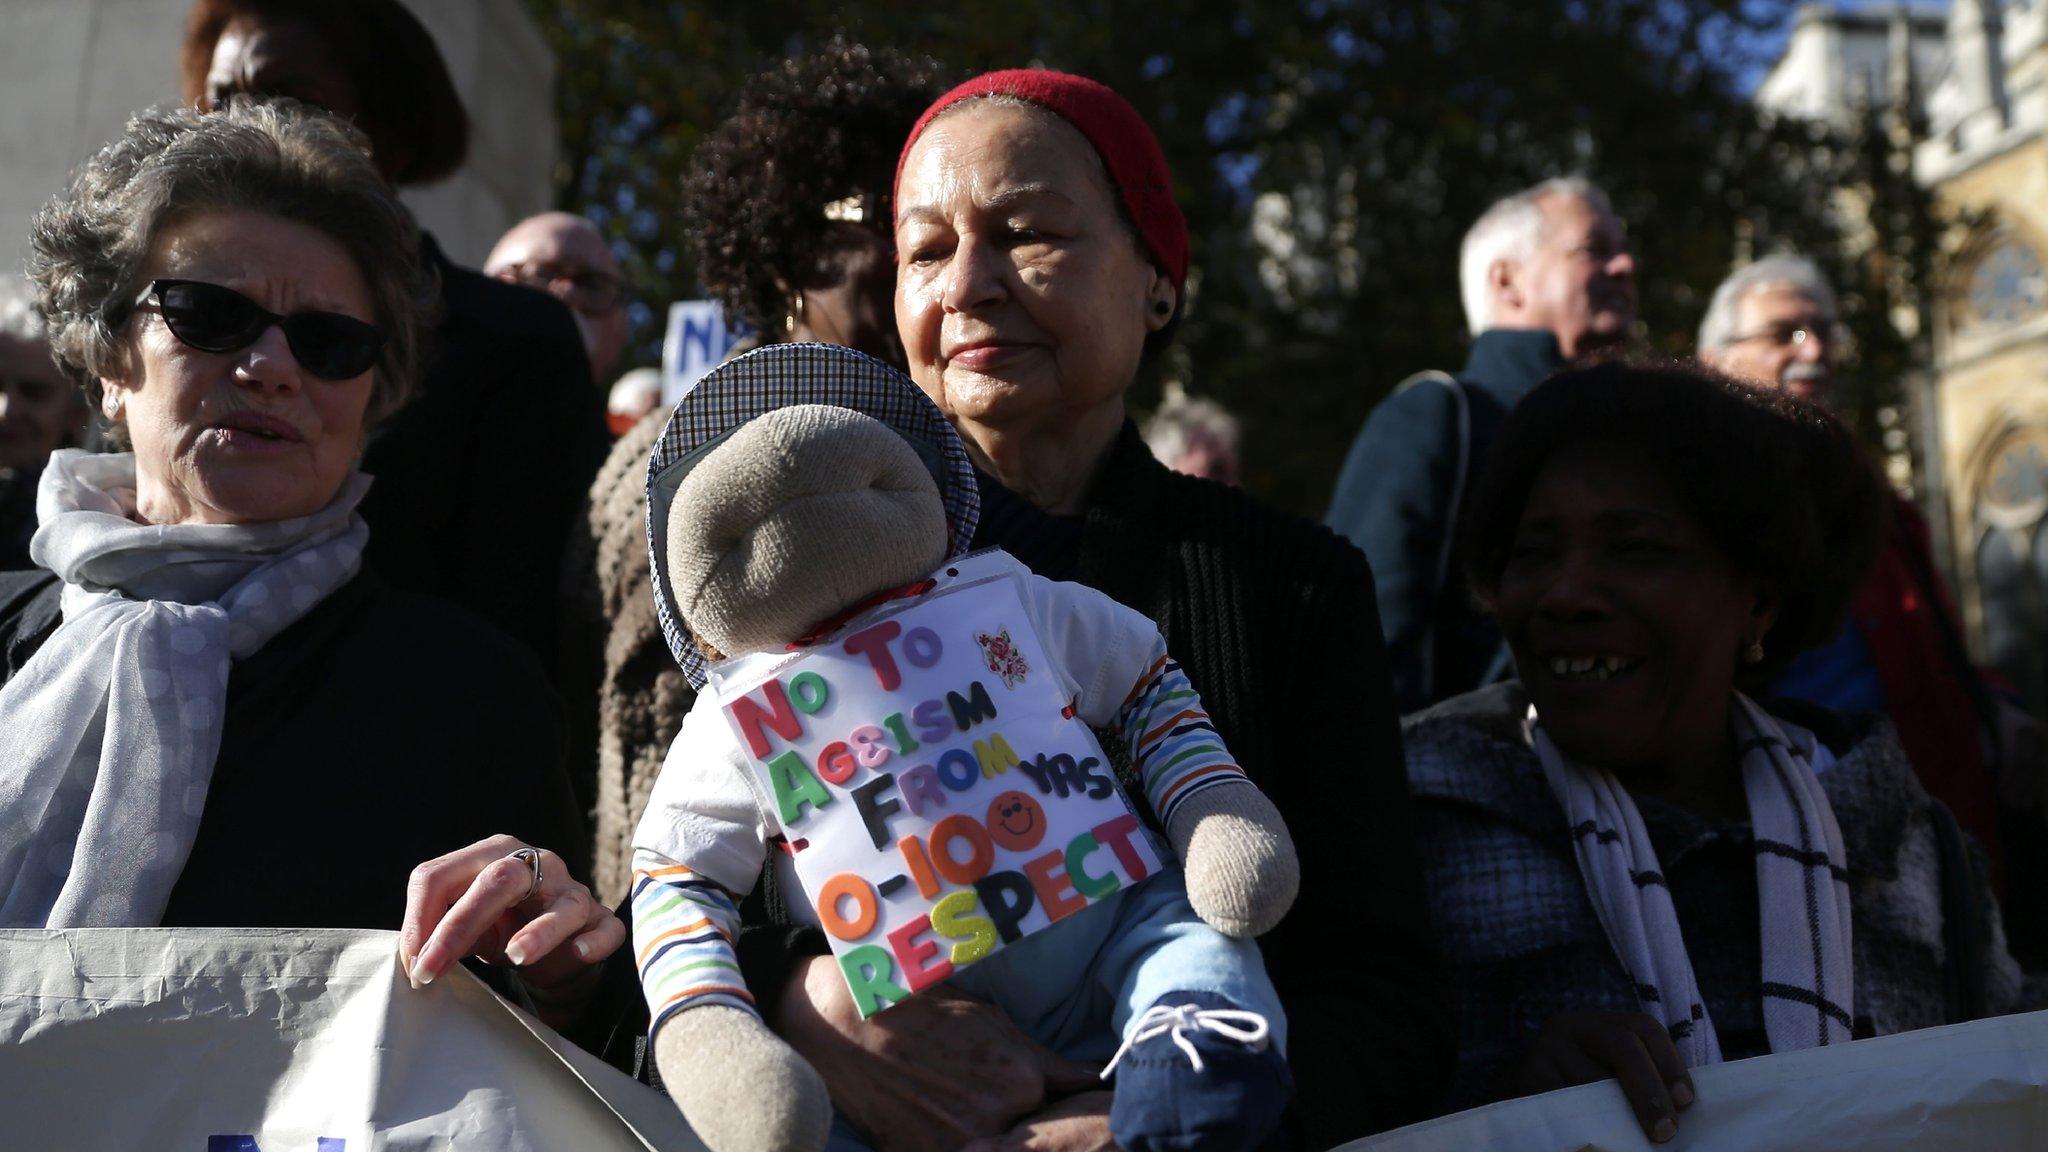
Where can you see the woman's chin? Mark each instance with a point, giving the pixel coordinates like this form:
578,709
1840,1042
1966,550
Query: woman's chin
253,495
989,399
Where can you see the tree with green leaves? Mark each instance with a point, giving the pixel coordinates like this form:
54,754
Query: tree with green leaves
1329,155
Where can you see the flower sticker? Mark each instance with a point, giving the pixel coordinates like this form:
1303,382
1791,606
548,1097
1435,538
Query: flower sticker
1002,657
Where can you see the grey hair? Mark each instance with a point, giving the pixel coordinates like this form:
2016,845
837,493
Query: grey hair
91,242
1717,327
1181,418
1511,229
18,315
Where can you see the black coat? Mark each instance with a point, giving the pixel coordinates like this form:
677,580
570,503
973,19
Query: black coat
1274,622
379,731
1394,499
481,474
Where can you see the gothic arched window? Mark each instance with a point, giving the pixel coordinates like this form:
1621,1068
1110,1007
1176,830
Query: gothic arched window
2007,284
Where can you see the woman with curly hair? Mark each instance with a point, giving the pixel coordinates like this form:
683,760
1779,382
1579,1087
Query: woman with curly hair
1634,866
788,203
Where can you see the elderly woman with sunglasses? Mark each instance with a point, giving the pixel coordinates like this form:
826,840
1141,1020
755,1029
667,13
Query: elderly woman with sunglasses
211,712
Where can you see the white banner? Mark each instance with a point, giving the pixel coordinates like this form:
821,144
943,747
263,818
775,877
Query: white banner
186,1040
1979,1087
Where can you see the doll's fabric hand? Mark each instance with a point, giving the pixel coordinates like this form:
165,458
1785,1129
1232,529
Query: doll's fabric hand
929,1074
741,1088
1242,874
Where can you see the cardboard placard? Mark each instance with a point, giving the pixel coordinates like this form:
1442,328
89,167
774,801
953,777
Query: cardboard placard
939,795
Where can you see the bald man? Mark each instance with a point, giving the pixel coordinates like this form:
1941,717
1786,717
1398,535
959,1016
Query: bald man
564,255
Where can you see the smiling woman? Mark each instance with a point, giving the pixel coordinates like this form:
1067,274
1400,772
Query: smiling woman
1657,541
188,678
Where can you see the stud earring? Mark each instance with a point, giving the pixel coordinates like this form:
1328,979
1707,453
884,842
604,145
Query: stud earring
1162,308
1754,654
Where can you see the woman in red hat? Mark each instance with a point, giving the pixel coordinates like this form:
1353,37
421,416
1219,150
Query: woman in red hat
1042,261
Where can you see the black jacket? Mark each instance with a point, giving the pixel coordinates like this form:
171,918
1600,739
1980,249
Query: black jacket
379,731
1273,620
481,474
1394,500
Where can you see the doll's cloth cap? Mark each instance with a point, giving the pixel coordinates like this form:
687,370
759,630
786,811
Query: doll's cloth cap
781,376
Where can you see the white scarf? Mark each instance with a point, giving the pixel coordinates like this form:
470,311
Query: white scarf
108,735
1802,888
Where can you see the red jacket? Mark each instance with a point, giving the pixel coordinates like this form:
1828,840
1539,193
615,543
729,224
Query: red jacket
1937,700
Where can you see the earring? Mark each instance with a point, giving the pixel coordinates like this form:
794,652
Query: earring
110,406
1162,308
1754,654
794,316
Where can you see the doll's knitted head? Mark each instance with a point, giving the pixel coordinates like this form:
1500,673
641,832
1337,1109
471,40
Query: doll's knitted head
795,516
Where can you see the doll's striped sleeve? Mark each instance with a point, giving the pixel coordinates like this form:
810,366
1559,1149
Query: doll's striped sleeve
1173,747
683,929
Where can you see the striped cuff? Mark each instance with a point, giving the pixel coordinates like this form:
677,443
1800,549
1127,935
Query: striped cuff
683,928
1173,746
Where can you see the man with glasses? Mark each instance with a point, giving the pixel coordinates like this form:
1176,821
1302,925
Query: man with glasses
1546,278
564,255
1901,651
1773,322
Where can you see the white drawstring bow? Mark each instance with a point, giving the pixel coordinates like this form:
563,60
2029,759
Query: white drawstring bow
1247,1028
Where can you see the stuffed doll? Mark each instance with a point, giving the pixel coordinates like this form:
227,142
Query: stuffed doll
795,488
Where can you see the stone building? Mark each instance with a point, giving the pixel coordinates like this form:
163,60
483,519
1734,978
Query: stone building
72,71
1976,80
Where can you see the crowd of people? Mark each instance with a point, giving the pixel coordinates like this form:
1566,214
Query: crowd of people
1655,729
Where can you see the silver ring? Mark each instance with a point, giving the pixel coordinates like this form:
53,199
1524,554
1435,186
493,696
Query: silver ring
532,858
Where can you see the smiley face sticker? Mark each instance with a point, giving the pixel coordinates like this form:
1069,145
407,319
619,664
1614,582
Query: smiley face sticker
1016,821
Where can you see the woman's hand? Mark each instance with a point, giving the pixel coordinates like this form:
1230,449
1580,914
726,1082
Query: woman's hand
1079,1123
1587,1047
477,901
931,1073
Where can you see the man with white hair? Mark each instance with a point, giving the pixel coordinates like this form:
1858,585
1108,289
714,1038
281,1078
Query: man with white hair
1547,278
1774,322
566,256
1901,651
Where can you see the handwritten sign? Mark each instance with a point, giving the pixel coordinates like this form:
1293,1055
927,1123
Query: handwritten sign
939,795
697,340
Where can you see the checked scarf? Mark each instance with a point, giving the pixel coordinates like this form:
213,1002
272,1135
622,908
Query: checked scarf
1802,888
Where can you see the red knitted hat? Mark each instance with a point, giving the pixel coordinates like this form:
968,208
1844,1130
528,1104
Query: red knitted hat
1129,151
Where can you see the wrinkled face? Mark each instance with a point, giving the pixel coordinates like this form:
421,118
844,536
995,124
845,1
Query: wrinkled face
1580,283
566,258
247,436
1022,297
1625,620
1782,337
38,407
265,58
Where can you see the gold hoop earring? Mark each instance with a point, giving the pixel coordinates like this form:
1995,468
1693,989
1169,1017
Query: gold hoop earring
793,317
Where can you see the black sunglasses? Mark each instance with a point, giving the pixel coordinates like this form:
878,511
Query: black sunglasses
216,319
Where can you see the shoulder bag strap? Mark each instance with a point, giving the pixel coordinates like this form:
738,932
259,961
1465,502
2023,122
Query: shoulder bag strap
1461,409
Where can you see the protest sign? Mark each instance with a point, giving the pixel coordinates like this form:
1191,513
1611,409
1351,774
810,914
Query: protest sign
237,1040
1981,1087
939,795
697,341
